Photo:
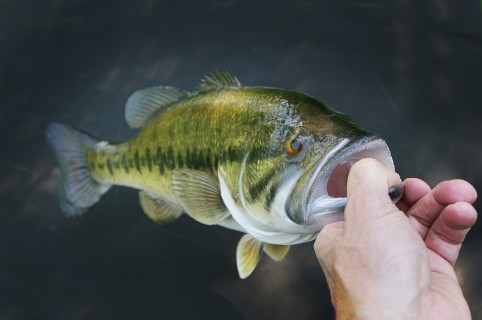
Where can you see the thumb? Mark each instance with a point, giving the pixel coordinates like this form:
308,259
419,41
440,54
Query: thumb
367,190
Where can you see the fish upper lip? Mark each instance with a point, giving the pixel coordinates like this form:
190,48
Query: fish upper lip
316,200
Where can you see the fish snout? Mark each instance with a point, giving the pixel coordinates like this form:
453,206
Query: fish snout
326,191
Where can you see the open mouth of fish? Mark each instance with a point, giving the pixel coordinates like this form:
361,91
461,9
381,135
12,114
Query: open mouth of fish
325,196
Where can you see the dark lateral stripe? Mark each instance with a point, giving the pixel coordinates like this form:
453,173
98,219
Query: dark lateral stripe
180,161
108,163
159,160
196,159
233,155
124,164
170,158
143,161
149,159
170,161
137,161
270,194
201,160
256,189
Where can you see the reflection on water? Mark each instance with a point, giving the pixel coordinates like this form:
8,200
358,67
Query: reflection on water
412,65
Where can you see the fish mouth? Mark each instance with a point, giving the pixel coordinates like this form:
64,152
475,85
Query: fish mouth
326,191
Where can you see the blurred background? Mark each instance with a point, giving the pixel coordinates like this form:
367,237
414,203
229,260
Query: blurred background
409,70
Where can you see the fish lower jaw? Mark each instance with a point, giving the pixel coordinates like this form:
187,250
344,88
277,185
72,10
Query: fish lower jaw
327,199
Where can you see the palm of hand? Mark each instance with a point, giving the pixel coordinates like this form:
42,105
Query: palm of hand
379,264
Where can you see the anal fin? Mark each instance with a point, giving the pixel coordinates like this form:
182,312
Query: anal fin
248,253
159,209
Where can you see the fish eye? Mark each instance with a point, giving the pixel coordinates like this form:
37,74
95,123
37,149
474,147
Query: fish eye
293,146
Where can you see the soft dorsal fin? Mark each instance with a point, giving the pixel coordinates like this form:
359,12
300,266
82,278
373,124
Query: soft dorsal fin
199,195
159,209
143,104
248,253
218,80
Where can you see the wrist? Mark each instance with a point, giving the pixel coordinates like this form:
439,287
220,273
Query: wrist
380,306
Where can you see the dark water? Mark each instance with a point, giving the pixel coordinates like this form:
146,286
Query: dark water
408,70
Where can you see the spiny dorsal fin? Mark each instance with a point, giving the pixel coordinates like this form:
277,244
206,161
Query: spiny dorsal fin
248,254
159,209
277,252
218,80
143,104
199,195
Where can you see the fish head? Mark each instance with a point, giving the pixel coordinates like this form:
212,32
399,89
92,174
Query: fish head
296,179
318,196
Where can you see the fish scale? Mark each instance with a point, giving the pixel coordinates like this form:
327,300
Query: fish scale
223,155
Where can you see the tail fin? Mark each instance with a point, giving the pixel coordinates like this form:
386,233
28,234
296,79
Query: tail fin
77,189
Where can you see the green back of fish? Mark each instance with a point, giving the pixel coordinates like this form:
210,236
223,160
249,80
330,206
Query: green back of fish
190,143
195,133
212,128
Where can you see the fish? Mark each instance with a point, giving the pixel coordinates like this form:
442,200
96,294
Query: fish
267,162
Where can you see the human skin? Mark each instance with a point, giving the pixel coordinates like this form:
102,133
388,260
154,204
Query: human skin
396,262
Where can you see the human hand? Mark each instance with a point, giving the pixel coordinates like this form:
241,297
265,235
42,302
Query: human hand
389,262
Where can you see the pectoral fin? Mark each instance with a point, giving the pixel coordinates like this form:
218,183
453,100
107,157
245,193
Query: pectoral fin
248,254
159,209
199,195
277,252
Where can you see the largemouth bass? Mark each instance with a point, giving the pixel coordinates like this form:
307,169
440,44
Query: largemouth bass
268,162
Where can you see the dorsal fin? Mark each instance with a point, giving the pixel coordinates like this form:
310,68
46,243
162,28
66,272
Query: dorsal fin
218,80
143,104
